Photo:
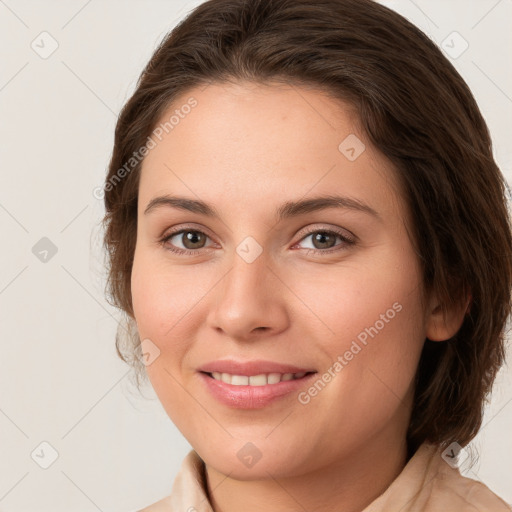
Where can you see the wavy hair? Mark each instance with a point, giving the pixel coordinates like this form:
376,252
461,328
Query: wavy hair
416,110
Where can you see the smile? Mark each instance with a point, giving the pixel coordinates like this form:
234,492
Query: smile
255,380
254,391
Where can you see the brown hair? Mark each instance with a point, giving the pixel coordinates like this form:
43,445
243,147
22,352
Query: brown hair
417,111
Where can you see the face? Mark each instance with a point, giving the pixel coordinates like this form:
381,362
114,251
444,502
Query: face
257,286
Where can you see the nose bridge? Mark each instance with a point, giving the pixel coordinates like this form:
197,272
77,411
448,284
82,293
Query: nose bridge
246,299
248,276
249,264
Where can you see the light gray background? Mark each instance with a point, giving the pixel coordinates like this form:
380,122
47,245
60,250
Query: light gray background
60,379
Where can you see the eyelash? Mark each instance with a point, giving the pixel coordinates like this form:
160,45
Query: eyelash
346,242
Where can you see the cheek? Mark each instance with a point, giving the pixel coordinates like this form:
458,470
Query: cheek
161,297
160,303
363,302
167,303
374,339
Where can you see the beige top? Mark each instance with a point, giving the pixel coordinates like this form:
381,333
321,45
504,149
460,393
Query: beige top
426,484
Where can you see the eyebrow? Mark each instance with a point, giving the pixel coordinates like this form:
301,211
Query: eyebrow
286,210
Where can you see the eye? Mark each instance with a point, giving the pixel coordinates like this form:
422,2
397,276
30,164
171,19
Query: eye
323,241
191,241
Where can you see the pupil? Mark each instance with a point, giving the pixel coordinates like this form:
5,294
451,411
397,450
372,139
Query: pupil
321,238
322,235
192,236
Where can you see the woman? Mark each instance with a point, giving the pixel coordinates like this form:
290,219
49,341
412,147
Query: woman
309,236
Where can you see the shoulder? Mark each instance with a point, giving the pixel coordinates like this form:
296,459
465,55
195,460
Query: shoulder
188,490
429,484
452,489
160,506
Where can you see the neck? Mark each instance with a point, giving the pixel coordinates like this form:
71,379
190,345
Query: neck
349,484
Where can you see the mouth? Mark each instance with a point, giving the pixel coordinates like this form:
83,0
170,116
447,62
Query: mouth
254,391
263,379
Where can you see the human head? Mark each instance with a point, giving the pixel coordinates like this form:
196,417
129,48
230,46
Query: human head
417,112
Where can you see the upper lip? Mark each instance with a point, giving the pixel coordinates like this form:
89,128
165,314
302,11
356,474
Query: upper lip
249,368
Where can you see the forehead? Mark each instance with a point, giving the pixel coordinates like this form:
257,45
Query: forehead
245,144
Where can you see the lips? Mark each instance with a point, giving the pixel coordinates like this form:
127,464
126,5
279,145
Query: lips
251,368
253,384
261,379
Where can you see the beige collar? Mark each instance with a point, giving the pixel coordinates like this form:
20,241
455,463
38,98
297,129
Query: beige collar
426,484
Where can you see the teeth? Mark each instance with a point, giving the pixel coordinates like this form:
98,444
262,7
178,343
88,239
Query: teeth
256,380
273,378
239,380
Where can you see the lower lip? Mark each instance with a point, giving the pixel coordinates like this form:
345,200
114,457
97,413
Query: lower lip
252,397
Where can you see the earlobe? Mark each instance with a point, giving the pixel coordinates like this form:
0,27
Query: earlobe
443,323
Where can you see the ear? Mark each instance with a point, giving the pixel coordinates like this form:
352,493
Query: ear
443,325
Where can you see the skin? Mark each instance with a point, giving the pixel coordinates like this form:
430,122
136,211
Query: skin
247,148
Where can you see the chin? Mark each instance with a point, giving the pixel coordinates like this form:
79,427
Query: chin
248,460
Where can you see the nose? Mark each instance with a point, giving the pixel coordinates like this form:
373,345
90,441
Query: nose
249,301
